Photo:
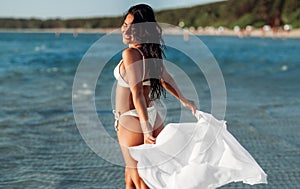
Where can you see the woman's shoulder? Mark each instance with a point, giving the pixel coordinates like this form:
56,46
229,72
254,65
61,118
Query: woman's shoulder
131,52
131,55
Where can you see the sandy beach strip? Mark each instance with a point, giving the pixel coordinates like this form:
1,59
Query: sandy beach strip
295,33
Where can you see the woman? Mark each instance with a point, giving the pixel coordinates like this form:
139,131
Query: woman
141,78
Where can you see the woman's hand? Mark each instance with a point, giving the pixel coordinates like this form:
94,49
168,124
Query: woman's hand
147,130
190,105
149,139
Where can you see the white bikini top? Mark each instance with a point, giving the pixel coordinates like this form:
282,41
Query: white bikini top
120,79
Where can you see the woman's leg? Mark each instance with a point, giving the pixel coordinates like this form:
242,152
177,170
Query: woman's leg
158,126
128,136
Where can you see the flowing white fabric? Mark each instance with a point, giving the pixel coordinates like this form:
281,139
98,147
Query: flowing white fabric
199,155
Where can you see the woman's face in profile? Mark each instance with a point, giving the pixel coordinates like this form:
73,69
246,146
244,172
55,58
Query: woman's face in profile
126,30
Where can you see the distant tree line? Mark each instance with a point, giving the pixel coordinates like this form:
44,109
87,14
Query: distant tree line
59,23
228,14
237,13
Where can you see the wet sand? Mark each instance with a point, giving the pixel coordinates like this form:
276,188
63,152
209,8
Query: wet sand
295,33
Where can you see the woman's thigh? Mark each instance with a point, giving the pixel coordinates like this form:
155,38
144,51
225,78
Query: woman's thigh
158,126
129,134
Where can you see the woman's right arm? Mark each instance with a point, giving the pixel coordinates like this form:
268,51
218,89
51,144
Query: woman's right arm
170,85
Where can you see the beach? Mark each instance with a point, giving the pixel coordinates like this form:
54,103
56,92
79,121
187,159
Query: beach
294,33
41,146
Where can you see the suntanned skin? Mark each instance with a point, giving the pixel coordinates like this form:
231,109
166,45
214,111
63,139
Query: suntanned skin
136,97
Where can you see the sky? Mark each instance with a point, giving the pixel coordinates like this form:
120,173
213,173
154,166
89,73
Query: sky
45,9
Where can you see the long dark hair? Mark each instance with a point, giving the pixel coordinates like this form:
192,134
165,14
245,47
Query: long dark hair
149,34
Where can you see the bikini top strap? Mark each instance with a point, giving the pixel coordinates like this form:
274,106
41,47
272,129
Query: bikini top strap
144,65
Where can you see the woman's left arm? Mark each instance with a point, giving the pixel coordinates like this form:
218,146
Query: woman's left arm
170,85
134,70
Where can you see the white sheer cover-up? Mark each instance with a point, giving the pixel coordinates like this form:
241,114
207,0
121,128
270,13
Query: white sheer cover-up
200,155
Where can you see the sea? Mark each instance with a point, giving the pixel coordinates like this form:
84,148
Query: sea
41,145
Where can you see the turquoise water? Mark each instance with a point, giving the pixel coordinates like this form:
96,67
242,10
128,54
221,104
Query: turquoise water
40,144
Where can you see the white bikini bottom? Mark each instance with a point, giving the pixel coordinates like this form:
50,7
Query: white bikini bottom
152,112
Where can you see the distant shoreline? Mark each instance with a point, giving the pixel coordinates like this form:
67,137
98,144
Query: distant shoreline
295,33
